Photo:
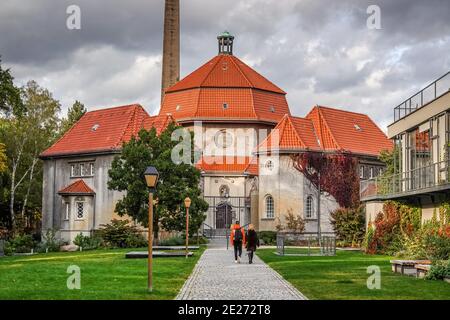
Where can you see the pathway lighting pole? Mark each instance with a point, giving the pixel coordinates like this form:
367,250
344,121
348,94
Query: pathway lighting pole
151,178
187,204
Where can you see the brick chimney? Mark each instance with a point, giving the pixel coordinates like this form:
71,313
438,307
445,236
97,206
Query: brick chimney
171,46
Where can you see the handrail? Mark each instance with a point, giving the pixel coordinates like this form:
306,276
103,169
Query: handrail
432,175
420,99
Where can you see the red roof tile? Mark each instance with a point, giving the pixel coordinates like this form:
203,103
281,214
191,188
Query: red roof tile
100,131
349,131
228,164
225,80
326,128
253,167
291,133
78,187
225,71
159,122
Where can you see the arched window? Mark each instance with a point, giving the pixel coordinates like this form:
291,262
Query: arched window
309,207
269,207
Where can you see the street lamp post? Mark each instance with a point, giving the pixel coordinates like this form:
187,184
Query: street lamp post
151,178
187,204
226,217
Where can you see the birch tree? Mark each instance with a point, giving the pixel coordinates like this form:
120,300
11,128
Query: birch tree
26,137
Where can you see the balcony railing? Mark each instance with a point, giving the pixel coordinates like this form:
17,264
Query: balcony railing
427,179
424,96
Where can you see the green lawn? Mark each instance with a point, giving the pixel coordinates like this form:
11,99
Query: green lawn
105,274
344,276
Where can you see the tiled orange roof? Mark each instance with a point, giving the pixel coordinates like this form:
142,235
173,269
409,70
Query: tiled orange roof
326,128
349,131
228,164
225,71
100,131
159,122
253,167
78,187
292,133
225,80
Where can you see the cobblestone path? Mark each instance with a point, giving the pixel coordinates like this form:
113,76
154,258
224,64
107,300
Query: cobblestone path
216,276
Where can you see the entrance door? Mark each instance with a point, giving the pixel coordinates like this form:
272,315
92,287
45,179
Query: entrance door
224,215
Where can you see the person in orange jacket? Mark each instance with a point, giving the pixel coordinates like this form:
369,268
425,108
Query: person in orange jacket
237,239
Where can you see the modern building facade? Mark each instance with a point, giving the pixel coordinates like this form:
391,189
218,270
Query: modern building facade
421,134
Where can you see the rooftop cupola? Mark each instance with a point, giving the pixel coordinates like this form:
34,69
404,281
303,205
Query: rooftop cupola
225,43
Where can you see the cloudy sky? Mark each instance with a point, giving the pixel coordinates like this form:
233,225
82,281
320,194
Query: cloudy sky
319,52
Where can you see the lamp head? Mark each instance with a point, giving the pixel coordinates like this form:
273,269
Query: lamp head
187,202
151,177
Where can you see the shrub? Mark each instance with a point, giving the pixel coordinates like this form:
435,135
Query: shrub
181,241
87,243
268,237
120,234
50,242
349,226
438,271
19,244
294,223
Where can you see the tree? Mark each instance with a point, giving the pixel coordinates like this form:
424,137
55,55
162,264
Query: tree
3,158
176,182
335,173
10,101
73,115
26,136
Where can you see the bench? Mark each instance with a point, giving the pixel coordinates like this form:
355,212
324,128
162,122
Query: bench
407,267
422,270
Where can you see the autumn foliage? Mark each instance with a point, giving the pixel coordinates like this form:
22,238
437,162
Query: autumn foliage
338,174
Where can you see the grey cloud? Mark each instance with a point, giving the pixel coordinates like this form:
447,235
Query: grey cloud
320,52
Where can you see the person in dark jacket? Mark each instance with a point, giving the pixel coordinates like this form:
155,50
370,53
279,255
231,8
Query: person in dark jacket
252,242
237,239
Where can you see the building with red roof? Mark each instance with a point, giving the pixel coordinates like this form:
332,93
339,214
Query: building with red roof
245,130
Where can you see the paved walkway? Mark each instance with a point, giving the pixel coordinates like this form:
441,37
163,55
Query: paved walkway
216,276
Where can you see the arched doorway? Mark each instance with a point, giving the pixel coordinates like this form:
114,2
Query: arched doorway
224,215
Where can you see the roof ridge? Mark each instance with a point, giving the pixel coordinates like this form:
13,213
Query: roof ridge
295,130
116,107
252,85
210,70
328,127
130,122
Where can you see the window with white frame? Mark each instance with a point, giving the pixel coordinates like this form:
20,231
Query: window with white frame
361,172
270,209
66,210
80,209
371,172
309,208
82,169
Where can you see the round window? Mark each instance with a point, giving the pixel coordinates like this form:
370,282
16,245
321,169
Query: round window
223,139
269,165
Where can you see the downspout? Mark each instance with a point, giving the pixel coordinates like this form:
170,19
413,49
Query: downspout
54,195
93,214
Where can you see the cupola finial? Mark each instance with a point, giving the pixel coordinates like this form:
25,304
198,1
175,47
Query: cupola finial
225,43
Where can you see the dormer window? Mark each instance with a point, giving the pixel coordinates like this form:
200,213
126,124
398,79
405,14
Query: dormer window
225,106
178,108
95,127
272,109
358,128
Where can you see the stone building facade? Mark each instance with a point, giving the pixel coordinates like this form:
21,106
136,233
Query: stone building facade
234,112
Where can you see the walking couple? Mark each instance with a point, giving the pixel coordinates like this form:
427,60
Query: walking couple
239,238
